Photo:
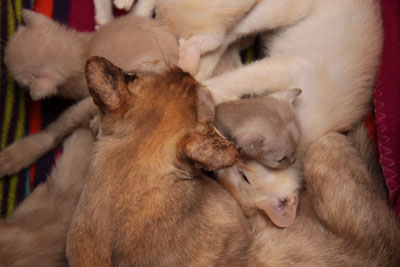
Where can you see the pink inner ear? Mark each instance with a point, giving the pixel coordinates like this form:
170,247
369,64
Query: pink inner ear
281,212
42,87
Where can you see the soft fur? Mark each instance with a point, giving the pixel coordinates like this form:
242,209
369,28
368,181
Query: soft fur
49,59
263,128
35,233
331,53
145,203
151,48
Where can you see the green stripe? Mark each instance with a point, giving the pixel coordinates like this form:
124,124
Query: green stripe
19,130
11,195
10,85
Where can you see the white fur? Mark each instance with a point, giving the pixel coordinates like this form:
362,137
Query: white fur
332,54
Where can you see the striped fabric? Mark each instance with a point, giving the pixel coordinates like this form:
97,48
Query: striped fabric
19,115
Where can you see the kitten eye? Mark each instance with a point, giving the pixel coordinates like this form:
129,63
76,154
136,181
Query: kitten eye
282,159
244,177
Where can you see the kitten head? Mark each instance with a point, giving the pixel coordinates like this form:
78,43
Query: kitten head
165,117
256,188
263,128
39,54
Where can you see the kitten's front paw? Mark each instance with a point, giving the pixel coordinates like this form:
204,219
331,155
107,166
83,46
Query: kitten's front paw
124,4
189,56
102,18
12,160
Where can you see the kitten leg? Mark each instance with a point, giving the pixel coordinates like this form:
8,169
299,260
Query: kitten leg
344,196
270,14
103,12
144,8
190,50
266,75
124,4
36,231
25,151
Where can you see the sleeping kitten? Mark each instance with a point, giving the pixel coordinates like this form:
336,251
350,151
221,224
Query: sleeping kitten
319,54
342,220
49,58
35,233
264,128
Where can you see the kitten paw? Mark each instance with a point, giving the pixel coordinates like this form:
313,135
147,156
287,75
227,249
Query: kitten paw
189,56
124,4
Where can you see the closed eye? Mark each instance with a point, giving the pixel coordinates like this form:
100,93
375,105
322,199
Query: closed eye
244,177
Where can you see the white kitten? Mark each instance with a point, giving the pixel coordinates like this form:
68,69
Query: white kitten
332,54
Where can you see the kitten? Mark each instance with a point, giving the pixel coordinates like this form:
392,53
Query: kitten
35,233
145,201
151,48
343,218
264,128
319,54
49,58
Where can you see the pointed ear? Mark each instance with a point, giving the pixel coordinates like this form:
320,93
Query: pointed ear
32,18
208,151
107,84
43,87
287,95
281,212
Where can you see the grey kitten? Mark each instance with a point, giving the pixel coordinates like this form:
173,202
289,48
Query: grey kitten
263,128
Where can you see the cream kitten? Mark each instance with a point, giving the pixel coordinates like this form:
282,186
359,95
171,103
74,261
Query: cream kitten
35,233
49,58
332,54
264,128
256,188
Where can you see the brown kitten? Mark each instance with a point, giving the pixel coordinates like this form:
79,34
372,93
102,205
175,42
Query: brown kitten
146,203
35,233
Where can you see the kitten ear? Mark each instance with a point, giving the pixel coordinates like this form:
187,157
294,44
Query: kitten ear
208,151
281,212
32,18
287,95
107,84
43,87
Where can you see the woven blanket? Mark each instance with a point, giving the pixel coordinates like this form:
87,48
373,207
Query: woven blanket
20,116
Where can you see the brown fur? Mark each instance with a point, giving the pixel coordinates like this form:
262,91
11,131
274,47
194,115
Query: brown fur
145,204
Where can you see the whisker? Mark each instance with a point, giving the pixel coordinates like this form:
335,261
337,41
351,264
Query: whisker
159,47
